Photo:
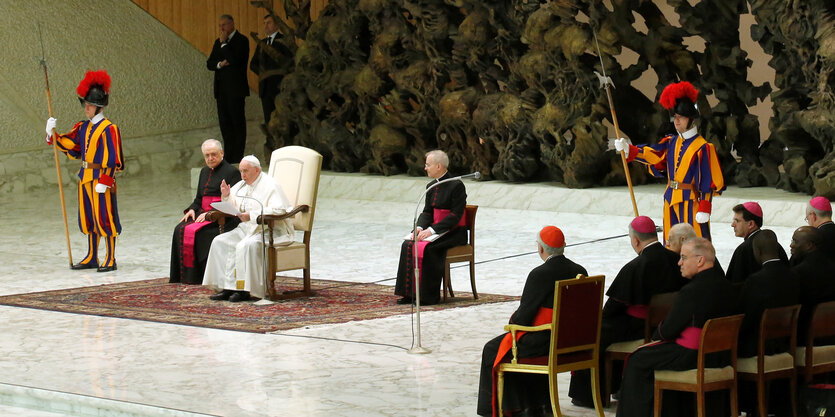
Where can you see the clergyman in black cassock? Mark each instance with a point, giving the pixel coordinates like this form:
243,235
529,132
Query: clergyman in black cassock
208,186
819,215
814,271
708,295
529,391
774,285
451,197
746,223
654,271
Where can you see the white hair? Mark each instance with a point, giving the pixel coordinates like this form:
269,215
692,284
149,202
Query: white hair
439,157
212,142
252,160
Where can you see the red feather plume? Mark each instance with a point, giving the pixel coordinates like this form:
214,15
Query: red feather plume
92,78
675,91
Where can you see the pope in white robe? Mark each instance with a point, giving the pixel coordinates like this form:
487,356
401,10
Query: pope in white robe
236,259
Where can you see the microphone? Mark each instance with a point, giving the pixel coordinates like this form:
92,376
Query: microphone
475,175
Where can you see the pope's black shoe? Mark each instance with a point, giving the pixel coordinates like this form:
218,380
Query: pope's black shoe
84,266
223,295
404,300
239,296
106,268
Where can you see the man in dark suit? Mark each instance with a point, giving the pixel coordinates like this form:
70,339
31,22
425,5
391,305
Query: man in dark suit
270,62
774,285
813,269
526,391
230,53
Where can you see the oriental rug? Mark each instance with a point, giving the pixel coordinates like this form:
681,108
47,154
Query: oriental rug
157,300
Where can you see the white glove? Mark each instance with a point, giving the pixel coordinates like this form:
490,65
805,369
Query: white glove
50,125
621,144
702,217
101,188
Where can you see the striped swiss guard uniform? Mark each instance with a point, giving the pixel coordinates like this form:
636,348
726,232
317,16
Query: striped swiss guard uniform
97,143
693,174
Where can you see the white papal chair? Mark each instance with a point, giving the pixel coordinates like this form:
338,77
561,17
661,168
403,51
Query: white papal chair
296,169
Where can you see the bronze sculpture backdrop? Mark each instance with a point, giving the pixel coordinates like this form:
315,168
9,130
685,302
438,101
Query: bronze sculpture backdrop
508,89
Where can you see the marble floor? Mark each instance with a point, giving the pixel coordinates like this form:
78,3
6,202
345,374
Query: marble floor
67,364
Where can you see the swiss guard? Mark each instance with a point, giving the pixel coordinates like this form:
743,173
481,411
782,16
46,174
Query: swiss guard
97,143
686,159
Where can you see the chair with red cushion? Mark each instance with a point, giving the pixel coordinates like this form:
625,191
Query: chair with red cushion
575,338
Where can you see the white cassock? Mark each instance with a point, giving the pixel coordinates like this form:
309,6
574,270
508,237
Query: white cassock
236,258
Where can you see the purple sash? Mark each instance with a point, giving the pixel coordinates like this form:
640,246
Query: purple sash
690,337
639,311
438,215
191,230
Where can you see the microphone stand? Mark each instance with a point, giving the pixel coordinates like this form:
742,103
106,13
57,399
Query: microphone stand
416,281
263,229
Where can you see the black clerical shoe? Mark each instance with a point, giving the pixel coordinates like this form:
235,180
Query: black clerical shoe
404,300
581,403
84,266
239,296
106,268
223,295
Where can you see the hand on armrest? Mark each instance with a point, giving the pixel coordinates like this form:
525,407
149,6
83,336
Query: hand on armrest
272,217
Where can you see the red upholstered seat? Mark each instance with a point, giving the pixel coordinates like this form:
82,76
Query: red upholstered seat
575,334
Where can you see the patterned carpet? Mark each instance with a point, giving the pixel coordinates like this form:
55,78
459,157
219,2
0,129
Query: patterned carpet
157,300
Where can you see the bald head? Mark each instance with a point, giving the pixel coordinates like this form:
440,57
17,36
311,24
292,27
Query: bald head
765,246
697,255
679,234
805,239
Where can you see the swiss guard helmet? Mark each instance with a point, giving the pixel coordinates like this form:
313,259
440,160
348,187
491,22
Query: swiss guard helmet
94,88
680,98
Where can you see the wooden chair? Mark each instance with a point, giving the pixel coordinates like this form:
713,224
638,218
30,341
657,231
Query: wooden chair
810,359
659,306
463,253
718,335
296,169
776,323
575,338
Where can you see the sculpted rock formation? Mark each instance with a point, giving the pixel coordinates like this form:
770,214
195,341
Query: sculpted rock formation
508,87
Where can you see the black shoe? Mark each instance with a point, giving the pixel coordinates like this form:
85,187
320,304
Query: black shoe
84,266
581,403
429,301
404,300
239,296
106,268
223,295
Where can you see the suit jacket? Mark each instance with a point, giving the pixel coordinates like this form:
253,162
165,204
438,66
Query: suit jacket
774,285
230,81
828,231
539,292
814,272
270,63
743,263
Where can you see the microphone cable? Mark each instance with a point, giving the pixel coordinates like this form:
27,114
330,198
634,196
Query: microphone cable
333,339
478,263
